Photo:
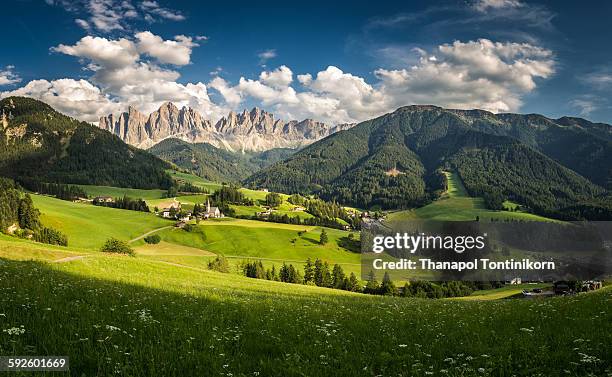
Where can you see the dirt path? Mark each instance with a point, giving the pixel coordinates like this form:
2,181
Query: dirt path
149,233
68,259
179,265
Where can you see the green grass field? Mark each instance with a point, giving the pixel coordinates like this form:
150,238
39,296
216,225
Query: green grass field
119,315
116,192
456,205
89,226
503,292
163,312
274,242
212,186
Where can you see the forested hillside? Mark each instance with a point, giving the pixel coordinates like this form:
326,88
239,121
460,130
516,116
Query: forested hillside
557,169
45,145
214,164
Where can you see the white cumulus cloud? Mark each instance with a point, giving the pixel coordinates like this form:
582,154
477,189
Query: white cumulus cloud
8,76
177,52
465,75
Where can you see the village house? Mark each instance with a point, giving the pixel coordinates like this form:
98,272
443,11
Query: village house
175,207
104,199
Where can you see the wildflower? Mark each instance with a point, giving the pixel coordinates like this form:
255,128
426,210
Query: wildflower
15,330
403,345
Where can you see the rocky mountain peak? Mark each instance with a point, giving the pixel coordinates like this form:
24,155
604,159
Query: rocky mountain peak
253,130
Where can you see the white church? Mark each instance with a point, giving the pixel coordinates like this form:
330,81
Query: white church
212,212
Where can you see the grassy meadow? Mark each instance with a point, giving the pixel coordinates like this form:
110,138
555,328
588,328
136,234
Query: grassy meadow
117,192
163,313
503,292
457,205
119,315
89,226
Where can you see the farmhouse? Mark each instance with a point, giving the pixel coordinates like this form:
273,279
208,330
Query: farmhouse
104,199
171,211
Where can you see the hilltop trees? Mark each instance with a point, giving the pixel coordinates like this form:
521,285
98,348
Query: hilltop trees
273,200
230,194
318,273
124,203
59,190
18,209
28,215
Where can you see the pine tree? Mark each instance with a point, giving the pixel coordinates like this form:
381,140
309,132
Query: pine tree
353,283
274,275
372,286
327,278
323,238
28,214
318,272
308,271
387,287
337,277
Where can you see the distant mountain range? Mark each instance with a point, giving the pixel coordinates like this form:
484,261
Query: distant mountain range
557,167
254,130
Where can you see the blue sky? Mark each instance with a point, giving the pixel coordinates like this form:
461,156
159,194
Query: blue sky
331,61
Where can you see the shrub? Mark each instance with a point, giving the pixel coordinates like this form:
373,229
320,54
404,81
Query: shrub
113,245
190,228
219,264
152,239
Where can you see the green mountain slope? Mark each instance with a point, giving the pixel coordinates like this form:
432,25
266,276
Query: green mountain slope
215,164
394,161
43,144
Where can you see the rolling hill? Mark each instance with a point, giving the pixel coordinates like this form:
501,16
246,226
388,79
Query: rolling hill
45,145
557,168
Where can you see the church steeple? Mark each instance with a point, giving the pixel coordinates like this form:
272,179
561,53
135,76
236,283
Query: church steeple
207,205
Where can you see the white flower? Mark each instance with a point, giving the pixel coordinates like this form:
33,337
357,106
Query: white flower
15,330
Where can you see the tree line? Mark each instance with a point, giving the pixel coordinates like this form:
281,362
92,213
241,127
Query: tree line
17,208
124,203
59,190
319,273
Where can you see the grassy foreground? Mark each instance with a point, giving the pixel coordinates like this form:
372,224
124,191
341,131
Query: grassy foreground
116,315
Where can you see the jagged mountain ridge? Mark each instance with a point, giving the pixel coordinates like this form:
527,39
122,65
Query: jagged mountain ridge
255,130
